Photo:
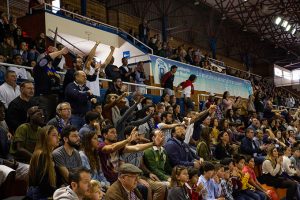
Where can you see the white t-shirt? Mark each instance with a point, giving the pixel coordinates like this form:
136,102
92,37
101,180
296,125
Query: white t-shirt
21,72
188,133
186,92
8,93
94,85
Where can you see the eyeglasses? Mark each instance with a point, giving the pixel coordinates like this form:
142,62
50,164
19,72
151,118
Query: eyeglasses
65,109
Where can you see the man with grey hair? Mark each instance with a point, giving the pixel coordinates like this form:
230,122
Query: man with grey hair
62,118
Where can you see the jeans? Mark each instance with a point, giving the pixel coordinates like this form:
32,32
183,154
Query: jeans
169,91
34,193
143,190
255,194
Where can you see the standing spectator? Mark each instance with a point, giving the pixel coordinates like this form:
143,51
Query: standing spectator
79,96
227,102
140,77
62,118
66,157
17,109
47,82
125,188
144,32
188,91
9,90
26,135
41,43
250,104
125,71
167,80
42,177
112,71
79,180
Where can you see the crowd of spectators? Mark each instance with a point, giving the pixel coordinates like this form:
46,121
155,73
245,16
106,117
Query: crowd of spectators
67,144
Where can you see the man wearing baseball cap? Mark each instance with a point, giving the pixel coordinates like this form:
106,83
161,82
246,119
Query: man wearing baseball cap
125,187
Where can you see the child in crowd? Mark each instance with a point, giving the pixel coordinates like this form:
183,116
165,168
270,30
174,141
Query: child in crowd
178,189
196,191
95,192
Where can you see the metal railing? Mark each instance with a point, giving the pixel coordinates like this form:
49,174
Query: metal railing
100,79
122,33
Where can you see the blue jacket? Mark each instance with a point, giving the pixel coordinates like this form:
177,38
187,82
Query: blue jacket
179,153
247,147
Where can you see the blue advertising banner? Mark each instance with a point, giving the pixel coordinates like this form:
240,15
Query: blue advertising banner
206,80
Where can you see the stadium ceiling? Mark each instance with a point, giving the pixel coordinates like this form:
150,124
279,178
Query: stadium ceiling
259,16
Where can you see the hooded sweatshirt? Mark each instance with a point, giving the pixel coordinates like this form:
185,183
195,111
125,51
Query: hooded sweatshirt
65,193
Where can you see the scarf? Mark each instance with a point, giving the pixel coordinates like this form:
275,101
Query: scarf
186,84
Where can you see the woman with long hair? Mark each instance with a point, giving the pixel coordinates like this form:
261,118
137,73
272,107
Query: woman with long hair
227,102
272,169
42,177
223,148
177,116
178,189
165,99
90,158
214,123
203,148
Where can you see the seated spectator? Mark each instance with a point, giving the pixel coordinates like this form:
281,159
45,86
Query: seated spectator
156,159
223,148
91,124
249,168
110,151
6,46
90,158
178,189
148,126
79,96
95,191
295,157
156,189
210,186
62,118
271,169
125,187
79,183
287,168
42,176
166,125
203,148
22,51
66,157
20,71
178,151
5,135
17,109
165,99
214,124
248,147
247,189
9,90
26,135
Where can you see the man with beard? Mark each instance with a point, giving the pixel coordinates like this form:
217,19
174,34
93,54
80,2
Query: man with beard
27,135
17,109
116,87
110,151
67,157
166,125
179,152
78,189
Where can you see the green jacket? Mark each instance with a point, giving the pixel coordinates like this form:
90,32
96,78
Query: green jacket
158,163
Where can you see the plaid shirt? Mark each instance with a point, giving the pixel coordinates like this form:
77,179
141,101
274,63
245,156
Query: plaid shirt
226,190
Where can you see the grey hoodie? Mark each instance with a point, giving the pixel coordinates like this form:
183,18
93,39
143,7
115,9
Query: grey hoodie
65,193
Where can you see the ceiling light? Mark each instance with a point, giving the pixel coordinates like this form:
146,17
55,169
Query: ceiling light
196,3
278,20
288,27
223,17
284,23
244,28
294,31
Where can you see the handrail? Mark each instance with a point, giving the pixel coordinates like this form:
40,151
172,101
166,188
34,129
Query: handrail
101,79
118,30
67,41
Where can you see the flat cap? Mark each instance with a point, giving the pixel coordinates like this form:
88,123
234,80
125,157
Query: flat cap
128,168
